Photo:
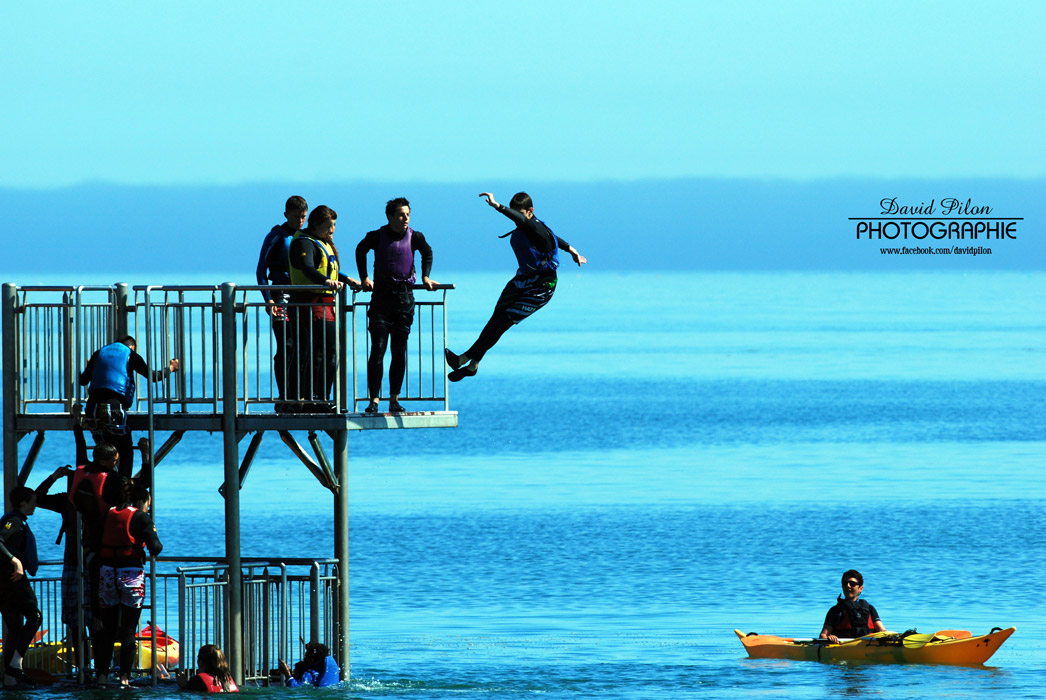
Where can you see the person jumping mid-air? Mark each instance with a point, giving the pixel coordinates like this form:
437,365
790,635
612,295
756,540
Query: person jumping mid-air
537,252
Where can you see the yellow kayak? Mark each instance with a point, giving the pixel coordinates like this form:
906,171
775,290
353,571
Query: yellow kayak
957,647
52,657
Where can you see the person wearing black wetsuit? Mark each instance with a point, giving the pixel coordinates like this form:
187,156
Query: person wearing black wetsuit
850,618
391,310
18,606
272,267
109,378
536,249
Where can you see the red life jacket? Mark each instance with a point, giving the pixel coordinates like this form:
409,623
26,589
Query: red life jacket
213,686
117,540
846,627
86,491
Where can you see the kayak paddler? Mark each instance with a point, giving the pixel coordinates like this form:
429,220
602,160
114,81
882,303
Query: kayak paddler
849,617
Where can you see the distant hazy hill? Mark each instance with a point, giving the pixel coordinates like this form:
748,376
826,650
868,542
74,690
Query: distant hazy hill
698,224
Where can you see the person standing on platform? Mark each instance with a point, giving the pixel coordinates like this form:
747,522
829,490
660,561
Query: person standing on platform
536,249
272,268
391,310
129,530
18,606
314,261
109,378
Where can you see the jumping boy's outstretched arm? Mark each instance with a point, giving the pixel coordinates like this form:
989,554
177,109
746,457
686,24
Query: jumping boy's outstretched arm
578,257
522,217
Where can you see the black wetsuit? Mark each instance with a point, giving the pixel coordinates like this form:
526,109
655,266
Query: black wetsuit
391,310
525,293
18,604
272,266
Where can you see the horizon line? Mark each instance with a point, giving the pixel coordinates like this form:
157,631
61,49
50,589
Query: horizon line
794,179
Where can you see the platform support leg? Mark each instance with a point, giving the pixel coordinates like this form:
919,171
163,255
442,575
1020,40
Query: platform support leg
234,644
341,547
10,381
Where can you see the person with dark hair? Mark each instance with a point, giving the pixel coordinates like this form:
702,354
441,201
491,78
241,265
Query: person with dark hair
94,487
121,582
850,618
536,248
213,674
391,310
273,268
18,606
314,261
109,378
318,668
92,490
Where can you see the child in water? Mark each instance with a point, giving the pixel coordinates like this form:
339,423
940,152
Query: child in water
213,674
318,668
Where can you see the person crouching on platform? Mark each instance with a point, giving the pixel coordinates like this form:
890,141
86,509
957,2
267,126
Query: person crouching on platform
121,579
391,310
314,261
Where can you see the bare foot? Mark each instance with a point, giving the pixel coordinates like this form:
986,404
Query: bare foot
143,447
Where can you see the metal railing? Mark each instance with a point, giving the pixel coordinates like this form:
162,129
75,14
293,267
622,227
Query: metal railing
56,329
286,604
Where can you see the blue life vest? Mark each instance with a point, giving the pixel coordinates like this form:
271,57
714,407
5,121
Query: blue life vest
110,371
529,259
331,675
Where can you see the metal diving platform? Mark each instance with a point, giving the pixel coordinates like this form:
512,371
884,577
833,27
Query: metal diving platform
228,383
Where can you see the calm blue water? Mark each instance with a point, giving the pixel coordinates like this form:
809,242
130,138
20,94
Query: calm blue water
654,460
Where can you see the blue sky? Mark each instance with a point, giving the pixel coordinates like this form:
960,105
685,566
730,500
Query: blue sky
239,92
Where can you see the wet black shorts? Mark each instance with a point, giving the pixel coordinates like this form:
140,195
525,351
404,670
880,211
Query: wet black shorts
523,296
391,311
